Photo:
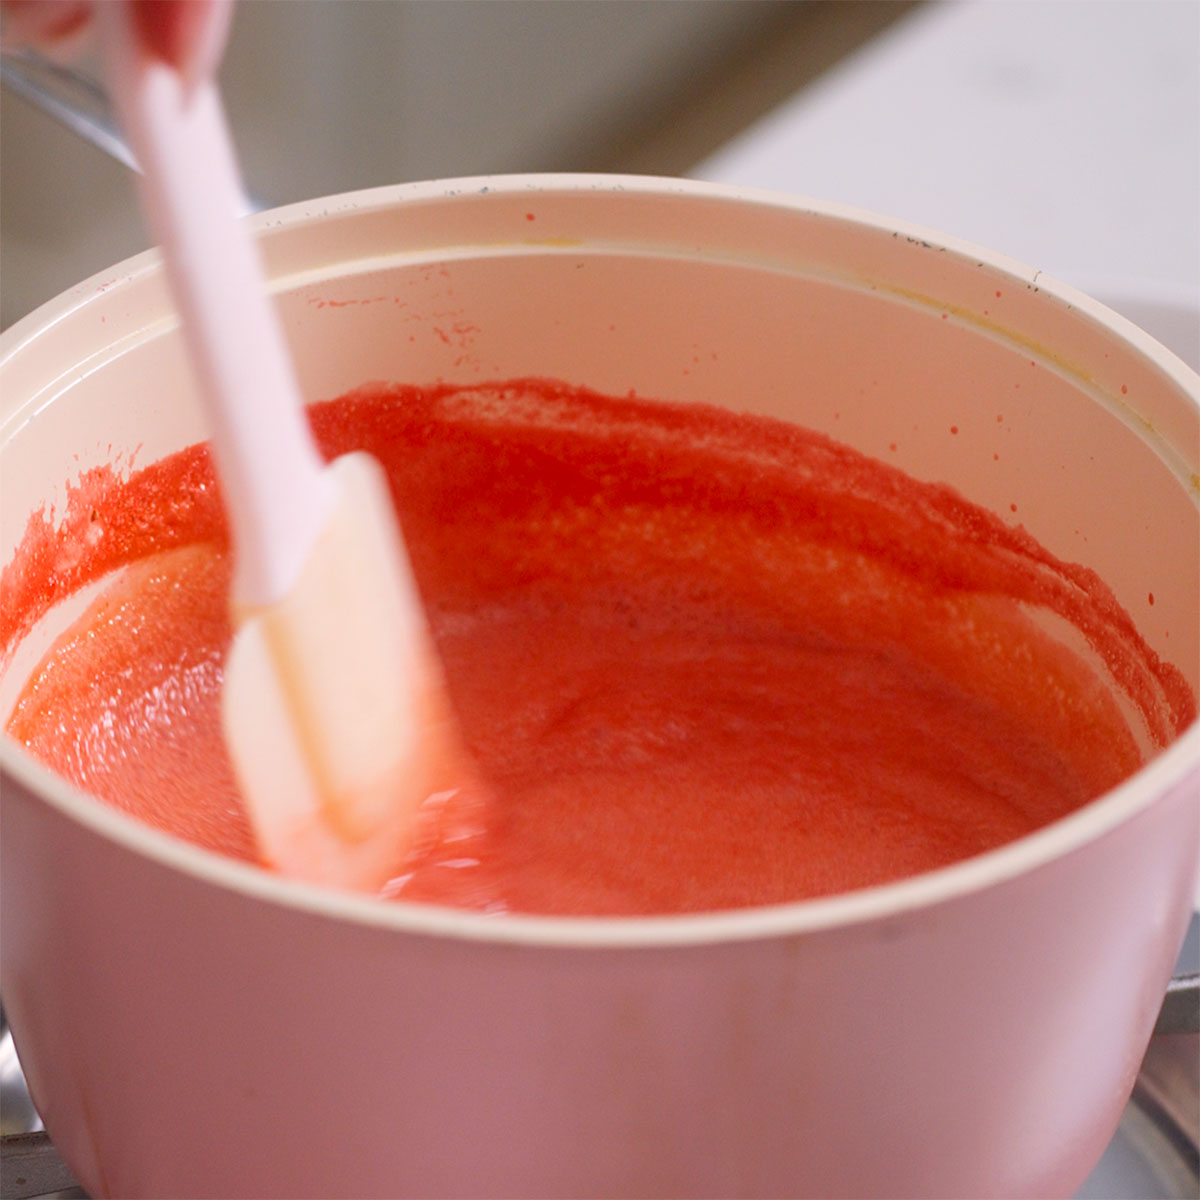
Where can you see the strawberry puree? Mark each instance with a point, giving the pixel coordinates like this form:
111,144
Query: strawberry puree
701,660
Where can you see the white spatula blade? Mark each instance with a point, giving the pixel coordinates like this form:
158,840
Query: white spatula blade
333,702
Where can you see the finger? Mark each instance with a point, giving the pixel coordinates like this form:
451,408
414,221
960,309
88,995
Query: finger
189,35
44,24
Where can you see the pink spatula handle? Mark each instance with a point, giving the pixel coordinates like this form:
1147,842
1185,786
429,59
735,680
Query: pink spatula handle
275,491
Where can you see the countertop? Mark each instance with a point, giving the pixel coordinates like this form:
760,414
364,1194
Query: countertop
1064,133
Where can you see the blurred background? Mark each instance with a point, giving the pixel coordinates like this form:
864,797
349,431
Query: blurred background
328,96
1065,133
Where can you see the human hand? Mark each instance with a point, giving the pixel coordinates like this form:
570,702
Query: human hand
188,35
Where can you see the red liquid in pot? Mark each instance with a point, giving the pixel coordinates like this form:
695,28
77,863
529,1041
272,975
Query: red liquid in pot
702,660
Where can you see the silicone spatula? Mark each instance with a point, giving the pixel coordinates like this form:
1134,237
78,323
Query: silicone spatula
334,708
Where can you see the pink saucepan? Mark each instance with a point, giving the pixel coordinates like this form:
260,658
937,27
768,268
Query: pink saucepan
191,1026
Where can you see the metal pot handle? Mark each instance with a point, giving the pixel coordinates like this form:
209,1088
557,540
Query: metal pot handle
76,101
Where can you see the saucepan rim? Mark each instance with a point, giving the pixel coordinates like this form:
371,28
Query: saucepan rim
1175,766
